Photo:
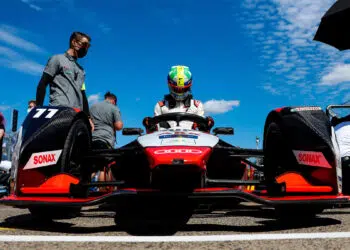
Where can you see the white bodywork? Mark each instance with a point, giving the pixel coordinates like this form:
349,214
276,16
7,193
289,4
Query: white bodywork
178,137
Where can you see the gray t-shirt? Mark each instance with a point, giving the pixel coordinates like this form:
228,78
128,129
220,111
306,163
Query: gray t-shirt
104,115
68,81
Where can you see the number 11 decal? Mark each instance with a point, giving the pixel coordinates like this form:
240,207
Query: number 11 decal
40,112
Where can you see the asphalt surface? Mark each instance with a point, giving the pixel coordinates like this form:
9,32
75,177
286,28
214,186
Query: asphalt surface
247,219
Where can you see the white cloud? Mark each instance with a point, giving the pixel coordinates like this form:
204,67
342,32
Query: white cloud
7,52
35,7
219,106
31,5
92,99
22,65
12,59
104,28
287,49
14,40
268,87
255,26
4,107
339,74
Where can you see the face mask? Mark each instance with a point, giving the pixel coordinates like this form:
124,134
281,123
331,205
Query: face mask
82,52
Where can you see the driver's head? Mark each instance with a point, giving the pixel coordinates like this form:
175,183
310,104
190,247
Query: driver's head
180,82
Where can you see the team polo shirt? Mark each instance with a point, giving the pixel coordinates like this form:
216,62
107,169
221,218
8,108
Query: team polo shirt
104,115
68,81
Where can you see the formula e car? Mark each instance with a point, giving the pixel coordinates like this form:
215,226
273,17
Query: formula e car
166,173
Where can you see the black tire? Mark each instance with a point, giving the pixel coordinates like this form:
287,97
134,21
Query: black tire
77,144
274,156
145,219
52,213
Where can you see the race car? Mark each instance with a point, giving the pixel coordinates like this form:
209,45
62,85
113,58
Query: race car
165,174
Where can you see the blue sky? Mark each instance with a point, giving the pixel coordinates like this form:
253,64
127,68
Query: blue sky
247,57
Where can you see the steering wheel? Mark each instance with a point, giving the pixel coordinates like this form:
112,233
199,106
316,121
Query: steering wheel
203,123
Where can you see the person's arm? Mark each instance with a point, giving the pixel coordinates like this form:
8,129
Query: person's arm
85,104
51,69
200,109
86,109
158,111
2,133
41,89
118,124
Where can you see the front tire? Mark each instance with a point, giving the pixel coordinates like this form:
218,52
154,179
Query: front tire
77,145
148,218
274,157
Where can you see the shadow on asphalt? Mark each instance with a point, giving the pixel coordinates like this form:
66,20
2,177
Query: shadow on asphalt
262,226
269,223
27,222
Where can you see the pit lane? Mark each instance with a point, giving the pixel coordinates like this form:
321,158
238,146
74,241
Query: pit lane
240,222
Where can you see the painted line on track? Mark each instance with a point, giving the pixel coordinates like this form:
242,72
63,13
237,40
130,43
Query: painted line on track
155,239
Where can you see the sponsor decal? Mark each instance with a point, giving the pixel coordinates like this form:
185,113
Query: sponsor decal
177,151
43,159
191,133
177,141
311,158
178,136
305,109
165,133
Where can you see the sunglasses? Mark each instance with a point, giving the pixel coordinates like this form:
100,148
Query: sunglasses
83,44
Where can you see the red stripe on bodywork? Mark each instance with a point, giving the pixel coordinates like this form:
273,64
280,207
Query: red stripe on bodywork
297,183
58,184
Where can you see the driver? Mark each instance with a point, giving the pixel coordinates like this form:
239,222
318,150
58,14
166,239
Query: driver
342,132
180,98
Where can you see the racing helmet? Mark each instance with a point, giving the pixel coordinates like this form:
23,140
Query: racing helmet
180,82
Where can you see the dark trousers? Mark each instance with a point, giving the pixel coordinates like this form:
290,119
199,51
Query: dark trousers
99,144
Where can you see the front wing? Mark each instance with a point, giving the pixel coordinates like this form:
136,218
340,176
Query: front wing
209,195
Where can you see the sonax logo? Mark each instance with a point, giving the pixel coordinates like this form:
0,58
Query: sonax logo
177,151
43,159
311,158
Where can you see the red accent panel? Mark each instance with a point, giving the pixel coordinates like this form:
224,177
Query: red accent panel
49,199
302,198
30,177
324,175
58,184
77,110
191,155
297,183
278,110
199,190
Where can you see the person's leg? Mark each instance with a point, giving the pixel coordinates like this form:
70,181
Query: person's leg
98,168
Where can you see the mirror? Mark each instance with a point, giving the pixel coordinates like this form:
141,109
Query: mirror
132,131
223,131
